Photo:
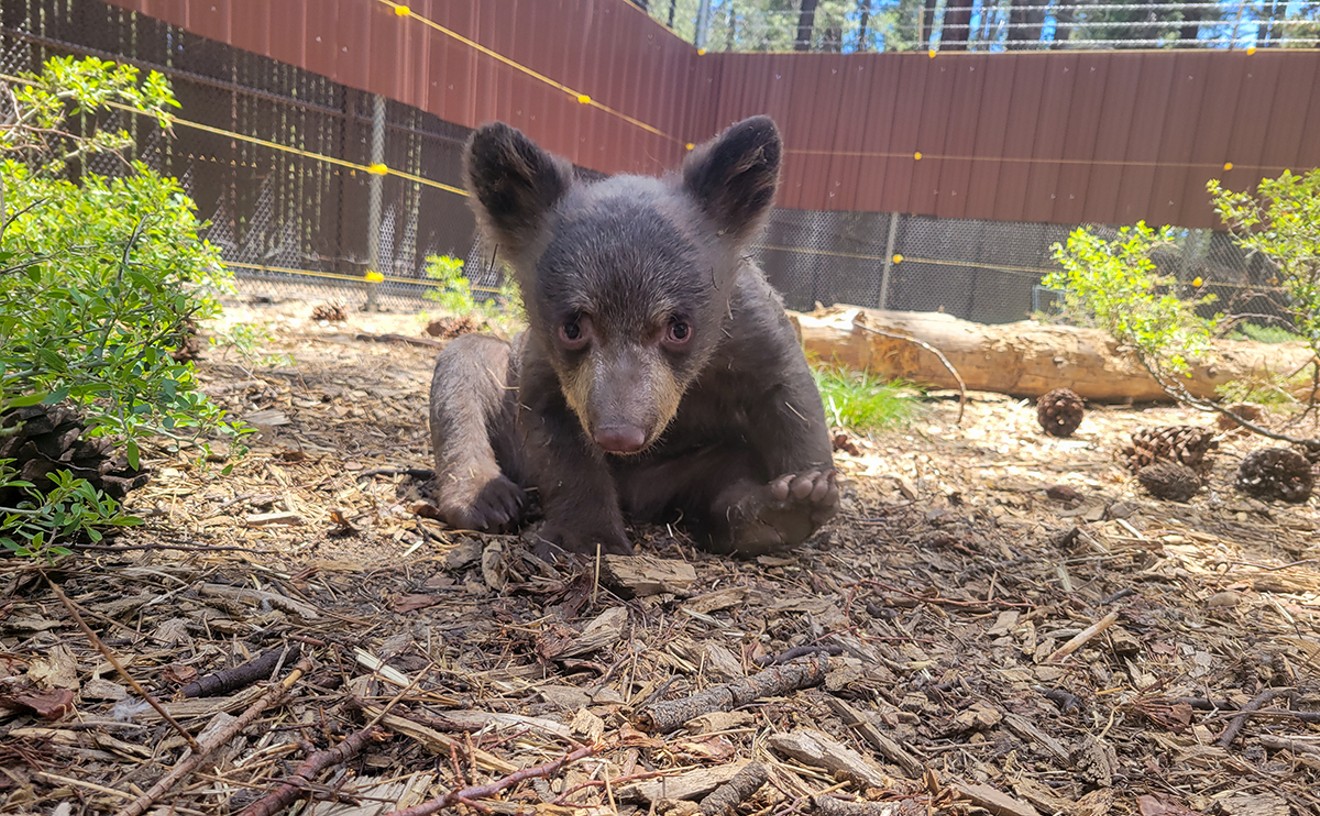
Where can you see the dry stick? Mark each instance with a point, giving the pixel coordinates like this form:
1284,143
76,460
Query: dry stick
833,806
399,338
1083,637
944,361
415,473
1240,718
114,661
1285,744
244,674
671,714
737,790
1181,394
271,696
476,793
297,783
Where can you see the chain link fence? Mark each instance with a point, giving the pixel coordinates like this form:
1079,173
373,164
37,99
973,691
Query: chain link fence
279,162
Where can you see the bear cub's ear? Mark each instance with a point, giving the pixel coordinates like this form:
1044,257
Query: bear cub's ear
733,176
514,185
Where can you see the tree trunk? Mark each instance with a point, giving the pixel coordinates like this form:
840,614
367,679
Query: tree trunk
1024,24
806,25
863,19
1024,359
957,25
928,23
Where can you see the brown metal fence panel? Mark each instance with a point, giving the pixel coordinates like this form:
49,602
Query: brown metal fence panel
1051,137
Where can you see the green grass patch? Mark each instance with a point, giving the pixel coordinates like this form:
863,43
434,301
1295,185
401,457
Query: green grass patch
861,402
1264,334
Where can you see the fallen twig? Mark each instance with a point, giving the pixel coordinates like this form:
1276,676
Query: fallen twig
737,790
799,651
114,661
1083,637
415,473
944,361
1240,718
476,793
271,696
258,668
399,338
297,783
834,806
1285,744
671,714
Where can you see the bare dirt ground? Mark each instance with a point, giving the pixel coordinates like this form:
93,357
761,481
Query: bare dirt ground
963,639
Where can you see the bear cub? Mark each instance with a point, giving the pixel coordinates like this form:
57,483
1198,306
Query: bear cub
658,379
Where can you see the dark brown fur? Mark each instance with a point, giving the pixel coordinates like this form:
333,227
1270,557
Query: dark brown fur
658,378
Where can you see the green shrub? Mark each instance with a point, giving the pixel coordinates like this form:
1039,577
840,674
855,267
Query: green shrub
1115,284
453,292
99,279
1282,223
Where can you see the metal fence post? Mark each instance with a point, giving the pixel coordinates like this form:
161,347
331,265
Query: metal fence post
882,299
374,192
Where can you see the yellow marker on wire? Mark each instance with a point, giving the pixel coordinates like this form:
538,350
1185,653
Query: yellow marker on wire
378,169
402,11
583,99
916,156
373,276
898,258
1228,165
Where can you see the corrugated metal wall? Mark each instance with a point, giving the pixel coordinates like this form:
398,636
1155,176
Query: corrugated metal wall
1055,137
1048,137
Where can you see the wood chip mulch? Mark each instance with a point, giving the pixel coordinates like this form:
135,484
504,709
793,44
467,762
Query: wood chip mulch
1001,622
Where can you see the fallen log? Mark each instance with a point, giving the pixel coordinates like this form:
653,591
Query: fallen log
1023,359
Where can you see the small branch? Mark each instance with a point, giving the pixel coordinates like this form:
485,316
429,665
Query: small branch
1240,718
119,667
399,338
294,786
799,651
1083,637
1180,394
944,361
744,784
834,806
475,793
271,696
1294,745
415,473
259,668
671,714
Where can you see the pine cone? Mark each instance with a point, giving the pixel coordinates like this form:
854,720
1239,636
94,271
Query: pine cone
189,344
1170,480
1184,444
1276,473
1249,412
1060,412
42,439
448,328
330,312
1310,448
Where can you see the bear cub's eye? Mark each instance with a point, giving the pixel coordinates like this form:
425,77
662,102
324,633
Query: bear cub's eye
574,332
678,332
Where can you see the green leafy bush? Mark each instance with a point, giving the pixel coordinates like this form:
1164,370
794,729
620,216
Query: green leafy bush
1115,284
453,292
1282,223
99,278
